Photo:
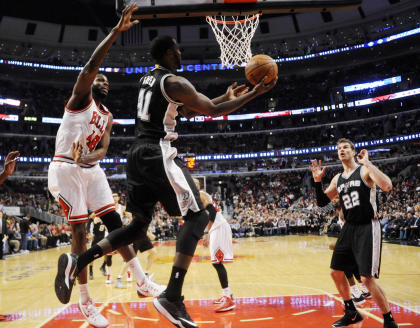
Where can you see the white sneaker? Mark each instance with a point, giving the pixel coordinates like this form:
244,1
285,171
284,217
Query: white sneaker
129,277
92,315
119,283
149,288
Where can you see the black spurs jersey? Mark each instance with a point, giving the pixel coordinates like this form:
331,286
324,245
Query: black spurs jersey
98,230
357,199
156,112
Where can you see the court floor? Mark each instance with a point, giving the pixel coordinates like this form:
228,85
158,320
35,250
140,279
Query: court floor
277,282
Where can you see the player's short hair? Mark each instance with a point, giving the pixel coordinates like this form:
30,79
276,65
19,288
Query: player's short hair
160,45
345,140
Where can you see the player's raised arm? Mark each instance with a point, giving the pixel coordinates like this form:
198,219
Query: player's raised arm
82,91
323,198
372,173
180,89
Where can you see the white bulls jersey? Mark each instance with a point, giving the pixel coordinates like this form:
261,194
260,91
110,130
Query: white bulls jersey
86,125
219,219
220,239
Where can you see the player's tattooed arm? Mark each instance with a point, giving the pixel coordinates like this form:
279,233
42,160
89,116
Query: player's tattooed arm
180,89
232,92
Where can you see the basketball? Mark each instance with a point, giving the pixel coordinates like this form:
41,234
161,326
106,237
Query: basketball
260,66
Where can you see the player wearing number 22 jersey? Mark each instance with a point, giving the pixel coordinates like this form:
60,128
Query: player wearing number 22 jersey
359,244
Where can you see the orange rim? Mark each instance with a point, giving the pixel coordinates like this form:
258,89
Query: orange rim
233,22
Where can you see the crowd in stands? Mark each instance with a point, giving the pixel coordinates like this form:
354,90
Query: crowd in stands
258,205
23,235
293,91
296,45
250,140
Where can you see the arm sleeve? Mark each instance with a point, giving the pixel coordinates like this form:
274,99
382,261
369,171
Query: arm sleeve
321,198
212,212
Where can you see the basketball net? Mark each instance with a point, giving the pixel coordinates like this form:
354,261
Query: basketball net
234,36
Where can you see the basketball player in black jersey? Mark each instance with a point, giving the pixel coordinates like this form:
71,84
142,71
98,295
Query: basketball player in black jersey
360,239
155,173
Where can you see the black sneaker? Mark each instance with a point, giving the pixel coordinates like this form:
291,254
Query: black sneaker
367,295
358,300
174,311
66,275
103,270
350,317
390,324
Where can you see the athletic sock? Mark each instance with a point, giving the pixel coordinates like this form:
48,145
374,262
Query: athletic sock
135,268
174,289
84,293
89,256
226,292
349,305
388,316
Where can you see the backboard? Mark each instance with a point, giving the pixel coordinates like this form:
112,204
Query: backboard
188,8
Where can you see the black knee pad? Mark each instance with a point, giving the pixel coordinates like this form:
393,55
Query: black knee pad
191,232
112,221
196,222
126,235
348,274
109,260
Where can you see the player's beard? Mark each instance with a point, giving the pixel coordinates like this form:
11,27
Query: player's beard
98,93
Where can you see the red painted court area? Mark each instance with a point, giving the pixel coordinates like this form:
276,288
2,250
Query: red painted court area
262,312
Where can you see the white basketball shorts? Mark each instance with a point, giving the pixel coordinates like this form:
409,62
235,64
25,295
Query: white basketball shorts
220,244
78,189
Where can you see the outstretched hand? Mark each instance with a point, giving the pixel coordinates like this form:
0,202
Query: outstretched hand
10,162
317,170
234,91
76,151
125,22
261,87
363,157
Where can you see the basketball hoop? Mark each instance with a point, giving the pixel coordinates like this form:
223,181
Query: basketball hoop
234,35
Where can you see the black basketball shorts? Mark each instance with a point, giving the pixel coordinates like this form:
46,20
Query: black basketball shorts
142,245
155,173
360,245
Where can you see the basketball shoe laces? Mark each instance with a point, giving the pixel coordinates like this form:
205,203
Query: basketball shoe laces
149,287
91,310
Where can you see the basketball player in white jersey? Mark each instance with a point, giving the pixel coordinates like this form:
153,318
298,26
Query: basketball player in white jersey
155,172
75,178
218,237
